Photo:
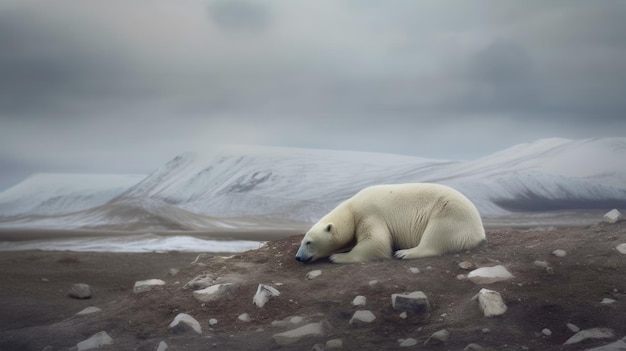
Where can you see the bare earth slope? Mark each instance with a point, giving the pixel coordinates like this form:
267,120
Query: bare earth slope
571,293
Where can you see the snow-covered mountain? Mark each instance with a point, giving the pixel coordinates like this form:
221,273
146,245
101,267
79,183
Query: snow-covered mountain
54,194
199,190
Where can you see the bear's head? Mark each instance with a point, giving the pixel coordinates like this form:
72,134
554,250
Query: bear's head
320,241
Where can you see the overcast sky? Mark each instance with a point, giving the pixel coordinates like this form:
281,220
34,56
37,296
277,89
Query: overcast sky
122,86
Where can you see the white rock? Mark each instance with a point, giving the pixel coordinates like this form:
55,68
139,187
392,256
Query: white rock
414,302
408,342
263,294
374,284
362,316
414,270
619,345
89,310
594,333
244,317
296,320
313,274
212,322
334,344
613,216
474,347
172,272
546,331
359,301
295,335
214,292
440,336
467,265
200,282
80,291
183,323
461,277
573,327
490,303
607,301
559,253
621,248
488,275
542,264
147,285
162,346
95,341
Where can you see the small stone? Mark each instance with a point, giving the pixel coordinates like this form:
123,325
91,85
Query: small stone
45,280
607,301
374,284
573,327
559,253
334,344
413,302
613,216
438,337
621,248
414,270
95,341
359,301
244,317
461,277
486,330
474,347
467,265
200,282
318,347
263,294
491,303
594,333
362,316
403,315
184,323
162,346
214,292
488,275
172,272
147,285
313,274
408,342
89,310
542,264
80,291
546,331
295,335
296,320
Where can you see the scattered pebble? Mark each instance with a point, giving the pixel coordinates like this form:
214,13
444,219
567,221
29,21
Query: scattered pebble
263,294
184,323
573,327
438,337
467,265
313,274
414,270
490,303
359,301
403,315
162,346
542,264
607,301
415,302
621,248
546,332
559,253
80,291
407,342
244,317
212,322
214,292
295,335
89,310
362,316
613,216
95,341
334,344
594,333
461,277
474,347
488,275
147,285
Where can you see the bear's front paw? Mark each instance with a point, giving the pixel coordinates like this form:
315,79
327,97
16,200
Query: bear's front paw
401,254
338,258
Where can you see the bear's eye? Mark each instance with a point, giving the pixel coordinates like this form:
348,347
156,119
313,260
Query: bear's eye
308,243
329,227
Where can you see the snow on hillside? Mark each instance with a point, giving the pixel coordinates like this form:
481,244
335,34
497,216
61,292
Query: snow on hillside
51,193
200,190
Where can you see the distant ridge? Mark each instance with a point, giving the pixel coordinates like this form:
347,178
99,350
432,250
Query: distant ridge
300,185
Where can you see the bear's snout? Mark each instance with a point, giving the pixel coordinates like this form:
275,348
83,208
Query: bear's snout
303,259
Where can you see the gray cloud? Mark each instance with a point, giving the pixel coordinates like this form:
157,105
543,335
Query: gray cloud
121,86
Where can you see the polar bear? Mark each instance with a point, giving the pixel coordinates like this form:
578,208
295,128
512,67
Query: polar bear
417,219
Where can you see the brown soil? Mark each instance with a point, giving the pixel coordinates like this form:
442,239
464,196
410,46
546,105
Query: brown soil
35,313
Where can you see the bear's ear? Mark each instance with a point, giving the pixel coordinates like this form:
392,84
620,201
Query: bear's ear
329,227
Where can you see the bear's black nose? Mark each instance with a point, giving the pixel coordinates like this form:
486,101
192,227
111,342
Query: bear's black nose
303,260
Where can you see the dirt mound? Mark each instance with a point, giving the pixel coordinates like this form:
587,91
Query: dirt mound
571,290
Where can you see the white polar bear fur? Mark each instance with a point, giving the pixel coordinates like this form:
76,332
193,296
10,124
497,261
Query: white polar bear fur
417,219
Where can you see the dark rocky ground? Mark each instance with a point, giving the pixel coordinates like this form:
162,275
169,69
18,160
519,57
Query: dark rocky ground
35,314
